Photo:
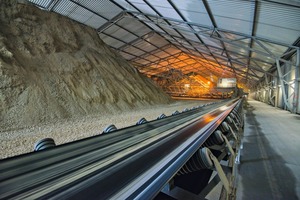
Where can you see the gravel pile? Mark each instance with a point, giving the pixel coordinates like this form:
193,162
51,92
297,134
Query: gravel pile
21,141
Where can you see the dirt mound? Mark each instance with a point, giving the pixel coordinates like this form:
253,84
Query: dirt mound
53,68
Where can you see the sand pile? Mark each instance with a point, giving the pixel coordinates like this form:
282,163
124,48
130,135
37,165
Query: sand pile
53,68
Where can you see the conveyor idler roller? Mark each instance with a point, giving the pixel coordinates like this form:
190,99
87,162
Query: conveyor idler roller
45,143
200,160
224,128
215,139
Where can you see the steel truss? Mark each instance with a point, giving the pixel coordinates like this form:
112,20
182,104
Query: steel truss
214,49
286,82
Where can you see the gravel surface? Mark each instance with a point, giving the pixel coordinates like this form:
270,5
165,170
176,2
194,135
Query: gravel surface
21,141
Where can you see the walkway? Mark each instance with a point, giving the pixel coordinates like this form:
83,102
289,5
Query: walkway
270,160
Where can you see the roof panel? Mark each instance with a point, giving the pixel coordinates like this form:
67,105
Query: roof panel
133,50
157,40
80,14
143,7
262,57
104,8
190,36
236,49
146,46
120,33
169,35
152,58
126,55
277,50
260,65
210,41
41,3
169,30
65,7
233,15
165,9
278,22
193,11
162,54
149,23
125,5
134,26
111,41
95,21
172,50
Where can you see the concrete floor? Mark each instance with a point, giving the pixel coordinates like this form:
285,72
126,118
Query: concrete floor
270,160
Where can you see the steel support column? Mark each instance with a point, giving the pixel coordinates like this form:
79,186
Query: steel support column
281,79
297,79
275,79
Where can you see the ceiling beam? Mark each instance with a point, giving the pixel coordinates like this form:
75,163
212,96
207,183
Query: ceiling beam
254,20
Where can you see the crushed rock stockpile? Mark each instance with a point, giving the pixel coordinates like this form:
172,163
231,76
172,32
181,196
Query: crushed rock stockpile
54,68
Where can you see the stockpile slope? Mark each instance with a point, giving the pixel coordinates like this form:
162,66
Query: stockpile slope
53,68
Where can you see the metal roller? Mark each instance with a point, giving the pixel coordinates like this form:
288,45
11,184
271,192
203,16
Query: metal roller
240,119
141,121
45,143
161,116
234,118
175,113
232,122
109,129
200,160
185,110
224,127
229,120
215,139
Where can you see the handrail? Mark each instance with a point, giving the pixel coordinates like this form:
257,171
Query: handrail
123,168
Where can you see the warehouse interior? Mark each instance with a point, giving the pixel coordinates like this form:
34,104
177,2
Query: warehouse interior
165,40
71,67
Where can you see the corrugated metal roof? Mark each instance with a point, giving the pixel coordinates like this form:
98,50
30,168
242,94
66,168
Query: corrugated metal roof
215,38
278,22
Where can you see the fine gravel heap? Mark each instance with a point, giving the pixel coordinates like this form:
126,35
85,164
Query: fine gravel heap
53,68
16,142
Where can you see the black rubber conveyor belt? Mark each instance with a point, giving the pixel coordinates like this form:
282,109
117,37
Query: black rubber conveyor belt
133,162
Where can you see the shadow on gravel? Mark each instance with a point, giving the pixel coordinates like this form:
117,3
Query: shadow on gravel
263,172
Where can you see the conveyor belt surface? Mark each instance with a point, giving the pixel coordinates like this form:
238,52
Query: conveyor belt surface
133,162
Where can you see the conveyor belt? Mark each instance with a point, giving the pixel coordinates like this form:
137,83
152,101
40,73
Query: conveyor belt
133,162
